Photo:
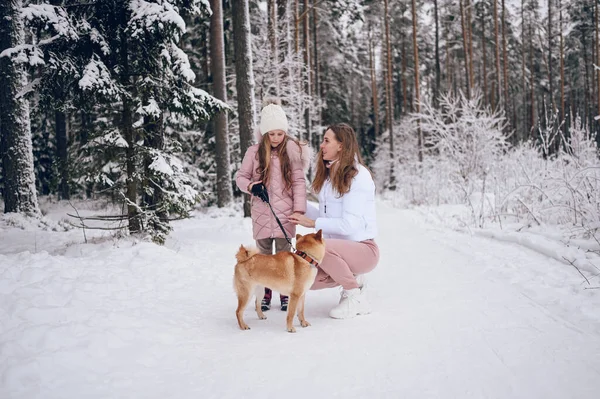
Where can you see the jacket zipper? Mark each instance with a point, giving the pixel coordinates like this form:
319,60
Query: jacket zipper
272,218
327,185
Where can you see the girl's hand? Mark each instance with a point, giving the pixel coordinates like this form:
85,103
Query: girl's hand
298,218
251,184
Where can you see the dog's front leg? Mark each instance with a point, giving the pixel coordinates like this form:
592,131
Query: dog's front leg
292,311
303,321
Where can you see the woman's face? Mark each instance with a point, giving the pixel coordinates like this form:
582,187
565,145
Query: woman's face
276,137
330,147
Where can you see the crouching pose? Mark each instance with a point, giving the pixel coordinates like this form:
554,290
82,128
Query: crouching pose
346,215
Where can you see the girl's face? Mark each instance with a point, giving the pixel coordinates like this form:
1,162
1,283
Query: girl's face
330,147
276,137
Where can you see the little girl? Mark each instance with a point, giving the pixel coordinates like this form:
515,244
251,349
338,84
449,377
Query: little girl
278,162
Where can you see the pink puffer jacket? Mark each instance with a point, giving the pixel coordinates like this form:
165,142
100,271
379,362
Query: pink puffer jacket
284,202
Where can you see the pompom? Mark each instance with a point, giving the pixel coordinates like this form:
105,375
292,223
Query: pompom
271,100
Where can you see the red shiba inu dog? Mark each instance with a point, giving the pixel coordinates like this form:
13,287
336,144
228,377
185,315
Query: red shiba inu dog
290,273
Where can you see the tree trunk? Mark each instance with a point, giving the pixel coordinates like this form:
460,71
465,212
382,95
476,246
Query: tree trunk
597,48
307,69
562,69
388,98
373,86
19,192
505,64
449,70
531,77
153,199
438,77
273,41
465,48
204,54
244,78
497,45
404,67
550,71
60,120
523,83
587,101
417,90
297,25
470,37
484,52
135,224
217,56
316,90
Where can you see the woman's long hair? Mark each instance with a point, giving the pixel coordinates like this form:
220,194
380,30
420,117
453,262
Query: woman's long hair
264,159
347,164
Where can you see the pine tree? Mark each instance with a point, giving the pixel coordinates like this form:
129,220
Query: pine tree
129,71
19,190
217,55
244,78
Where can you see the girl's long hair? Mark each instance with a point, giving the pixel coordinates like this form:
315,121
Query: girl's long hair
264,159
347,163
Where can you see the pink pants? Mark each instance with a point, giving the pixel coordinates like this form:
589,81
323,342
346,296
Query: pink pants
344,259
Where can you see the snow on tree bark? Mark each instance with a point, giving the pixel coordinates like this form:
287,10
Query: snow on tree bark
217,55
16,148
244,77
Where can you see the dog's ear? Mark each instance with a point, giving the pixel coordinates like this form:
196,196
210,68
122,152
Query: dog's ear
243,249
298,237
319,235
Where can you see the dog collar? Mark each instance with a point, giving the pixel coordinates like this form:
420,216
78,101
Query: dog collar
307,258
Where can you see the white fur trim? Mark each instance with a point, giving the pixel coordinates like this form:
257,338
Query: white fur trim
307,156
307,151
257,135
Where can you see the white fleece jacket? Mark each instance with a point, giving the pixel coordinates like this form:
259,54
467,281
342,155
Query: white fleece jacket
350,216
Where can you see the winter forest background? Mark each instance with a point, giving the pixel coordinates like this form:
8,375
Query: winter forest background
493,104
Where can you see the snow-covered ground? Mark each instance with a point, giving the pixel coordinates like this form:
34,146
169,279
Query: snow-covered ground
456,315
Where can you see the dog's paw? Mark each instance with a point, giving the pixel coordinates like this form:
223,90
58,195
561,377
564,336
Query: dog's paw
304,323
262,317
292,330
244,327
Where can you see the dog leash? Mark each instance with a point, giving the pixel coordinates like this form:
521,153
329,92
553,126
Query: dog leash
301,254
281,226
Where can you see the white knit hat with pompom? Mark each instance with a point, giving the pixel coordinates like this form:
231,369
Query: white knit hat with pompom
272,117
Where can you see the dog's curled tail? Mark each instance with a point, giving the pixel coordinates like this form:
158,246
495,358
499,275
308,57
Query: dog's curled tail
244,254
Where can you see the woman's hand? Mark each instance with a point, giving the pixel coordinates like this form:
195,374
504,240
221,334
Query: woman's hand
298,218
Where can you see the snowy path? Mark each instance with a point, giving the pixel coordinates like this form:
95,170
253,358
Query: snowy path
455,317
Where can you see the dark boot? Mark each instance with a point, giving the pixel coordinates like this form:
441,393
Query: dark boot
284,302
266,301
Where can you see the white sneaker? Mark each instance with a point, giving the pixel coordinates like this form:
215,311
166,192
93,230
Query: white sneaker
361,279
353,303
362,285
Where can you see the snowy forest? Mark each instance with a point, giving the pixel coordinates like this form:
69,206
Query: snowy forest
150,104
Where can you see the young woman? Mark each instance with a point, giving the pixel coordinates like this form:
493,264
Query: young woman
346,215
